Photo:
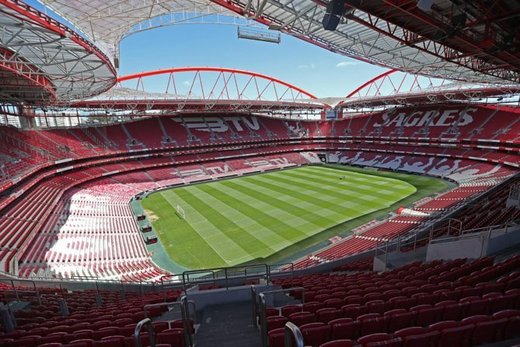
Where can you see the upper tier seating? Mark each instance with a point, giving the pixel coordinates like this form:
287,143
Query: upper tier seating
25,151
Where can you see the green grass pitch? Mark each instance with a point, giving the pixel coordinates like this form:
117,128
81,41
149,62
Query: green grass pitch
234,221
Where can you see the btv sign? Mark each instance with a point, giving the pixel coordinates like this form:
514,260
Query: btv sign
220,125
432,118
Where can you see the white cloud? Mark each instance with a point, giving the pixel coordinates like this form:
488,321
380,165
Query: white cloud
187,83
343,64
307,66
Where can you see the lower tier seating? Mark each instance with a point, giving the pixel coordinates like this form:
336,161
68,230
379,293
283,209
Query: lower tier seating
451,303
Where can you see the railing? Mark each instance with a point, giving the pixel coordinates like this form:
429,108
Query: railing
454,227
483,232
185,315
261,312
411,243
227,276
293,333
82,283
281,268
17,291
137,332
171,281
254,306
185,311
506,227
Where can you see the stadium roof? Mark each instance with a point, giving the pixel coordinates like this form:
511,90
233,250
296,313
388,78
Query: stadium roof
42,61
397,89
107,22
455,92
461,40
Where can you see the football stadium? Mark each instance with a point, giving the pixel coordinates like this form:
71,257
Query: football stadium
150,197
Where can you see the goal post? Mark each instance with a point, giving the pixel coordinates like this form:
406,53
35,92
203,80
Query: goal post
180,211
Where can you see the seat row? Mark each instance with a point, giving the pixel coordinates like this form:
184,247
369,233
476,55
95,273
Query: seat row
471,331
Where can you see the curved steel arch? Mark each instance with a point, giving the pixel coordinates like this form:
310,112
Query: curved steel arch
140,75
369,82
205,89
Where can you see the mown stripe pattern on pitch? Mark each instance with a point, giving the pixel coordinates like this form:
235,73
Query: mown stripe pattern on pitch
233,221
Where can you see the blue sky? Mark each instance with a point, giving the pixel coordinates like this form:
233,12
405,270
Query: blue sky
314,69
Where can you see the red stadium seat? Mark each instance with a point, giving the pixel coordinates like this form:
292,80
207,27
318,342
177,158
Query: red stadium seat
276,337
443,325
376,306
506,314
338,343
103,332
334,303
301,318
426,314
371,323
287,310
81,343
399,319
451,310
160,326
475,319
344,328
312,306
488,331
111,341
325,315
512,328
410,331
459,336
376,337
174,337
315,333
271,311
427,339
353,310
275,322
394,342
25,341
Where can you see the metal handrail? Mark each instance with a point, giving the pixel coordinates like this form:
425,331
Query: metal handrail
18,291
212,274
166,276
64,282
492,228
254,305
148,306
137,332
262,309
185,314
194,307
293,332
279,266
263,320
172,303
